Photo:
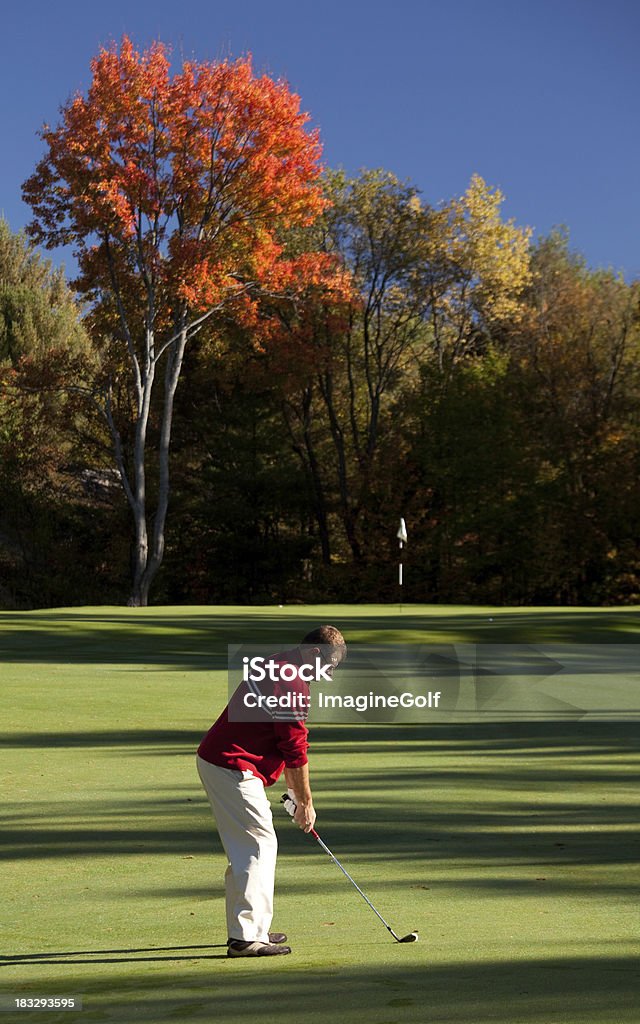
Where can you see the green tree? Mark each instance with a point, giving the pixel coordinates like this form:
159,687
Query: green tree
38,312
242,528
50,514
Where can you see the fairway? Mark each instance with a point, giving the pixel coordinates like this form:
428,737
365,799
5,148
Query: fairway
512,847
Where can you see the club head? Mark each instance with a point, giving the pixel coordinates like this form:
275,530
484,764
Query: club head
411,937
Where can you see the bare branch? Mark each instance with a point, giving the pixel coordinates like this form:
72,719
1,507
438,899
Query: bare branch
124,322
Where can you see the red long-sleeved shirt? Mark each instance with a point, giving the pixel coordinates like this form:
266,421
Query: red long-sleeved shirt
265,745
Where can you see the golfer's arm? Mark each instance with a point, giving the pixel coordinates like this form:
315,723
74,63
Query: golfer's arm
297,779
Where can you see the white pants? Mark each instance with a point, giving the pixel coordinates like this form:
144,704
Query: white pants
245,823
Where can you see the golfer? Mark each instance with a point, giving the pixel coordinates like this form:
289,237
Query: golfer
260,734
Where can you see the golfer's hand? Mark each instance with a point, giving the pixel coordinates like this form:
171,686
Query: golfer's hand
305,816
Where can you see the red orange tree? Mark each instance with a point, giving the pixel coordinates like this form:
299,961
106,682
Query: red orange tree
175,191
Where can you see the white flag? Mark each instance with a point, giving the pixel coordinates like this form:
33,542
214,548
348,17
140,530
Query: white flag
402,532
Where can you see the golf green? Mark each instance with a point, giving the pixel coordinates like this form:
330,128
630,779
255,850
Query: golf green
513,847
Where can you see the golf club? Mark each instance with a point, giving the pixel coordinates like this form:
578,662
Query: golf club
411,937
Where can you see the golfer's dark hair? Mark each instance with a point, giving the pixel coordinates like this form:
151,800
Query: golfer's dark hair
327,636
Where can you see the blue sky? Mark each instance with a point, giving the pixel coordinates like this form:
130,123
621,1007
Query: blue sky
540,97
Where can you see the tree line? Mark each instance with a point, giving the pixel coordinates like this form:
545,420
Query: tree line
262,366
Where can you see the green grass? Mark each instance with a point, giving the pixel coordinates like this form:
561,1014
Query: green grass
512,847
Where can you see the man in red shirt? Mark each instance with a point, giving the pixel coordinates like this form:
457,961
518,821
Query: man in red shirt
260,734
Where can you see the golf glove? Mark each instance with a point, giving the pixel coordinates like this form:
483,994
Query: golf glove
289,801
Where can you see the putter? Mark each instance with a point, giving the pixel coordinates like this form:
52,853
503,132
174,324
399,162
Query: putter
411,937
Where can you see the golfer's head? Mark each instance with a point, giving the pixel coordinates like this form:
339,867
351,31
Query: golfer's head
324,645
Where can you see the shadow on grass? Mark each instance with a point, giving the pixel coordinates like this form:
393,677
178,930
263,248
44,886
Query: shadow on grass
516,805
363,843
183,740
116,956
571,989
198,640
552,738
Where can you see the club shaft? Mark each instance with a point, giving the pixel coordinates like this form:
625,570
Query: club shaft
354,884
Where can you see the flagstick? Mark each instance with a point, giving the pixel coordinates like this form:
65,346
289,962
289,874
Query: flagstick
402,536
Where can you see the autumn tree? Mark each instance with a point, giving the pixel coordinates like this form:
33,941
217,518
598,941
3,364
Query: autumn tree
478,265
523,453
174,191
578,350
427,283
362,348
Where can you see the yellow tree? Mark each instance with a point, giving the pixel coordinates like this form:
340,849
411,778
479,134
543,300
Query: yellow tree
424,281
477,268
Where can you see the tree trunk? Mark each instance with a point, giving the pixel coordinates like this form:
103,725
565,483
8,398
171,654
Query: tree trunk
138,493
140,554
305,451
319,502
349,513
148,562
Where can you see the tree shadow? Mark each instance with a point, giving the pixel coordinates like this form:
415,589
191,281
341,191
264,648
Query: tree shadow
408,984
198,640
416,804
116,956
555,738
